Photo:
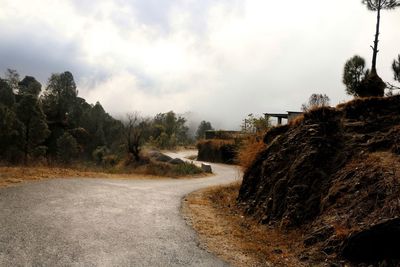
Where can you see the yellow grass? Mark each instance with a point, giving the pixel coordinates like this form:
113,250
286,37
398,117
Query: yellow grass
236,238
249,150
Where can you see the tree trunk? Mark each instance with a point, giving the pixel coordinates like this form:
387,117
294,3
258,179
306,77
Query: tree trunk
376,41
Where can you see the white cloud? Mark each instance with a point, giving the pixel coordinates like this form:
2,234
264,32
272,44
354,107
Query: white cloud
220,59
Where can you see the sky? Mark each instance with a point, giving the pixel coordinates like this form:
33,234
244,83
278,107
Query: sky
216,60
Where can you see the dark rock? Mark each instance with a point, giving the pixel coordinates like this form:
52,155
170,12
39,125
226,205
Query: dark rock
206,168
377,243
162,158
176,161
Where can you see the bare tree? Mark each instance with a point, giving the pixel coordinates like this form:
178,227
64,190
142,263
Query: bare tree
135,127
316,101
378,5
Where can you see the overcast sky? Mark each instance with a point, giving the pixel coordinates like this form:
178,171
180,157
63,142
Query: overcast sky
219,59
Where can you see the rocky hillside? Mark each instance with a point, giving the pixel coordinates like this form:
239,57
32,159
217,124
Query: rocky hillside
334,174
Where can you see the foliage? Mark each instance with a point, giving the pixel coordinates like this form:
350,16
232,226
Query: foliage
252,124
316,101
67,148
396,68
7,96
60,96
29,85
35,130
11,135
13,79
203,127
353,74
169,130
186,169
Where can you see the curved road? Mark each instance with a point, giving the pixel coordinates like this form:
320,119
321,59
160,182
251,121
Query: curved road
100,222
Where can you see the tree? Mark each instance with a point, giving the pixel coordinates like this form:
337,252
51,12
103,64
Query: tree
60,97
67,148
378,5
29,85
203,127
252,124
396,73
135,127
396,69
353,74
169,130
7,96
11,135
316,101
13,79
35,131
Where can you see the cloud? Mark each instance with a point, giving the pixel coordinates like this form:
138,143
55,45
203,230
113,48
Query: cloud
220,59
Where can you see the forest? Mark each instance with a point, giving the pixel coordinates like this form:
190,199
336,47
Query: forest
55,126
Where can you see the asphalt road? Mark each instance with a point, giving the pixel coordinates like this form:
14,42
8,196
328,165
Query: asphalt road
100,222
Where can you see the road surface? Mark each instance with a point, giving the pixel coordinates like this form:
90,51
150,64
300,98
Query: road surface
100,222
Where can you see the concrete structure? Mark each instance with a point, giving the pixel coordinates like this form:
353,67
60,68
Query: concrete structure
289,116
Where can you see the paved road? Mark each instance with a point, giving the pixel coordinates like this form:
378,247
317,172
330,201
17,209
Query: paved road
100,222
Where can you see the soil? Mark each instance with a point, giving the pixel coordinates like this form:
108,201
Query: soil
333,175
14,175
238,239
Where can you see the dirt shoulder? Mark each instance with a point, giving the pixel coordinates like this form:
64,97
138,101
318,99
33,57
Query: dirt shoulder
237,239
14,175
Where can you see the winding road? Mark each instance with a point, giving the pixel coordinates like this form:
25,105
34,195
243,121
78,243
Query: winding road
101,222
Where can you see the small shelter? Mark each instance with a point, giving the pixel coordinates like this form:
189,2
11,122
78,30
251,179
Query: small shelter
289,116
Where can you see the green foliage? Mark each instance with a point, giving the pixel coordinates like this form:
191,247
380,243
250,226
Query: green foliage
29,85
7,96
35,128
186,169
60,97
99,154
201,130
316,101
353,74
169,130
67,148
396,68
252,124
375,5
11,135
13,79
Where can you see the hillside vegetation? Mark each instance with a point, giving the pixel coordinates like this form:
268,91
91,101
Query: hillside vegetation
334,174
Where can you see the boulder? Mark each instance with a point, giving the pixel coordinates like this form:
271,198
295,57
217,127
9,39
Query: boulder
206,168
176,161
378,242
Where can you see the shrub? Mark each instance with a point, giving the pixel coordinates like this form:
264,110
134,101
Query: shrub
67,148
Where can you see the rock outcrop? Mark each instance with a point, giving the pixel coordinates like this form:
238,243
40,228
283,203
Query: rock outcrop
336,169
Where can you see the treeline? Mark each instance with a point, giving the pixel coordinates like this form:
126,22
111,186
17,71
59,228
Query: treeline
56,125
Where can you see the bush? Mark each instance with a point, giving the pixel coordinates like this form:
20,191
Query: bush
67,148
186,169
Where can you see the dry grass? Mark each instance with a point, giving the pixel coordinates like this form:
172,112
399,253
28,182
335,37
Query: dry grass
297,121
237,239
14,175
249,150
